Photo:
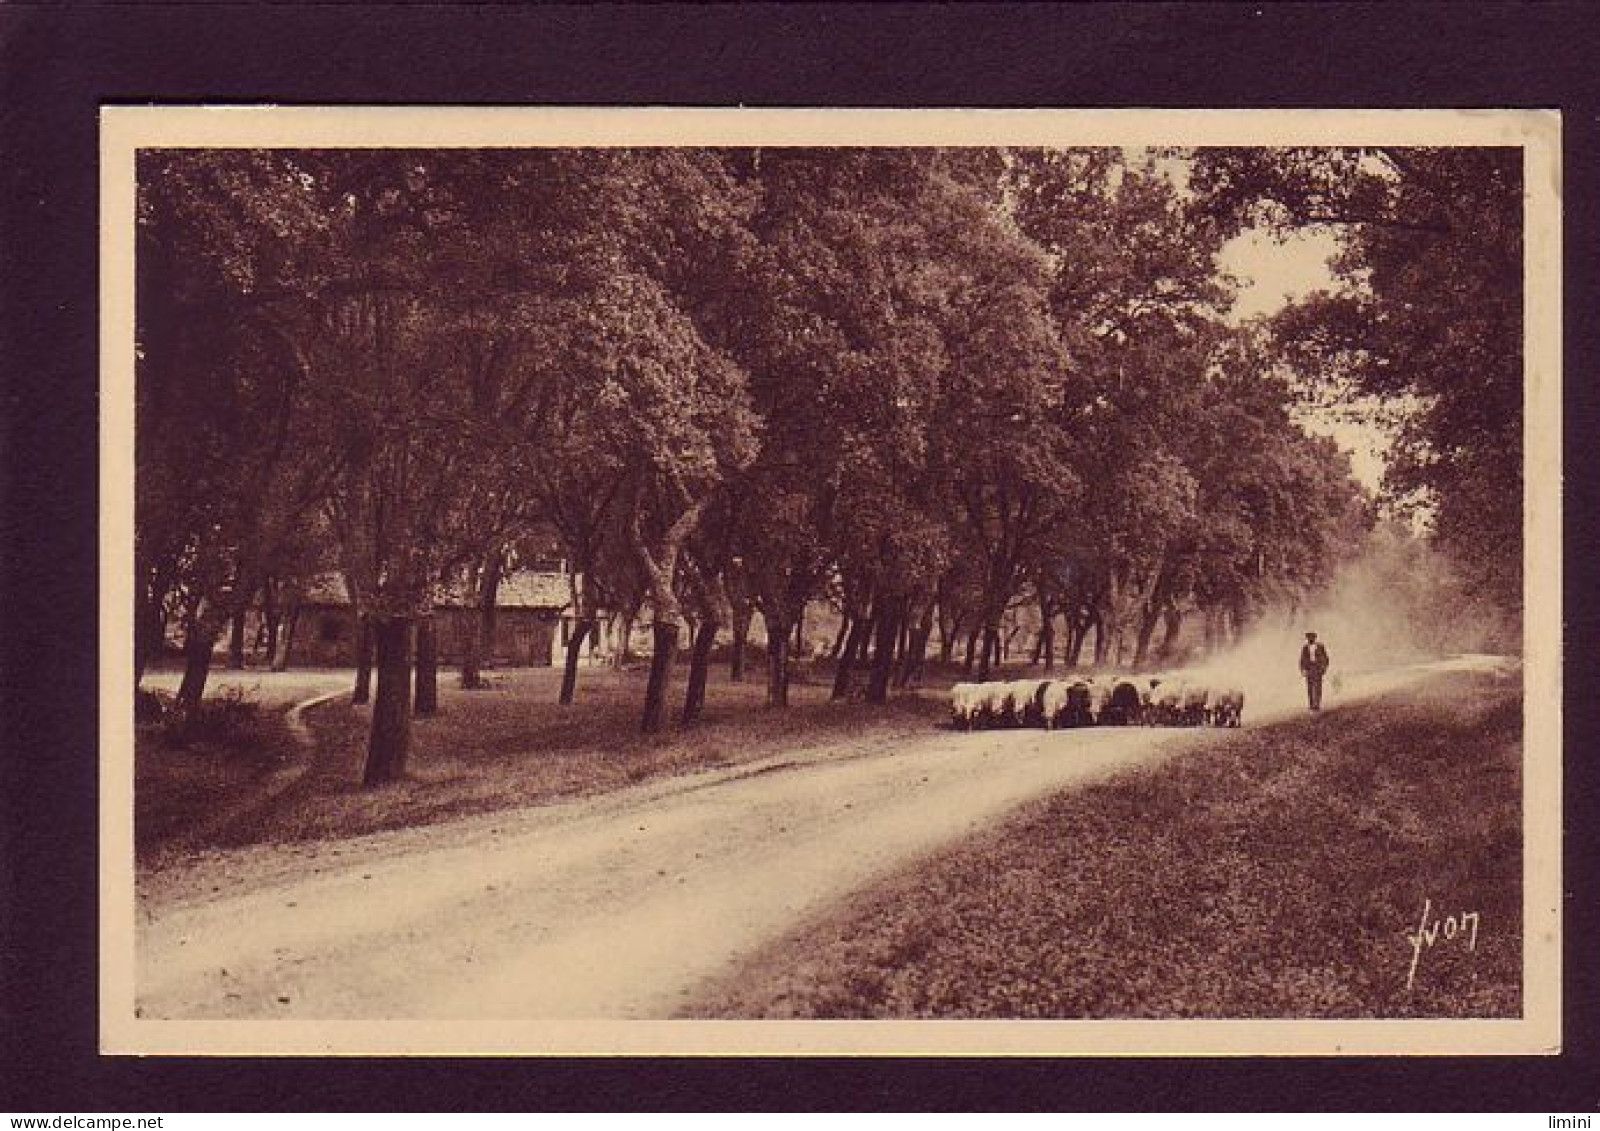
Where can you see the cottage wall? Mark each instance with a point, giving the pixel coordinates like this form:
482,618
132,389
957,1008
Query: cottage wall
328,636
522,637
325,636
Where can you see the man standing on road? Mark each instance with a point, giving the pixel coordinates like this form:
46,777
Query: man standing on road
1313,663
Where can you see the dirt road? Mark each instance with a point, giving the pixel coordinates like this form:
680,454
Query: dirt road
613,907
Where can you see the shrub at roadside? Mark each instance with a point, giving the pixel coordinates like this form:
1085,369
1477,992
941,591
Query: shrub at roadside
232,722
189,765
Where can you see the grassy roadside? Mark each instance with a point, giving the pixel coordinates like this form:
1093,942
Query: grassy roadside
178,786
1274,876
510,745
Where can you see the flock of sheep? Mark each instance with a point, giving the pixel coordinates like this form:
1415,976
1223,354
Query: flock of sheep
1104,700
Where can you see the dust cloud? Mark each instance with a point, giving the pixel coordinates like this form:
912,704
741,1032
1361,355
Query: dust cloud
1399,603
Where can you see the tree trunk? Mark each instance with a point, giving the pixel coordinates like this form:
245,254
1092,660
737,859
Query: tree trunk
269,609
1147,628
364,646
427,700
390,740
855,647
663,652
569,672
990,651
280,661
1080,635
972,651
236,641
471,678
888,635
917,650
660,566
472,644
694,699
1047,637
839,639
741,636
625,649
777,663
948,633
198,642
1102,640
488,612
149,630
800,634
1172,623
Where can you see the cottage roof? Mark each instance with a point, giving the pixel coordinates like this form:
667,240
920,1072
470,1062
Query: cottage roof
532,589
525,589
326,589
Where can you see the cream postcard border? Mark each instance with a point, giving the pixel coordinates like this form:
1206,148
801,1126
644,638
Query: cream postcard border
127,129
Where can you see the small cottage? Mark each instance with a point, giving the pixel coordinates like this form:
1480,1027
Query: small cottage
532,618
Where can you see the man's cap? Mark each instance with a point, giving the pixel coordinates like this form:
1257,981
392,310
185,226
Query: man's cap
1311,636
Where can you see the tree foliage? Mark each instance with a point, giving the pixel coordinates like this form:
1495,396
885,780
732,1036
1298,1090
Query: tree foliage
929,385
1429,317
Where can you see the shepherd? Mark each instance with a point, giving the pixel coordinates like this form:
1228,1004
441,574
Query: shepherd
1313,664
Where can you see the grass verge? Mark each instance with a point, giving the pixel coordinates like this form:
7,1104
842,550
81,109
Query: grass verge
1276,875
185,774
511,745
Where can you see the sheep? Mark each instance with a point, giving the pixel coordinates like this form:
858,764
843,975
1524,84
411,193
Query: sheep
1026,697
1009,709
1166,701
1053,702
996,701
1147,693
1079,709
1099,698
1125,706
1086,700
966,704
1227,707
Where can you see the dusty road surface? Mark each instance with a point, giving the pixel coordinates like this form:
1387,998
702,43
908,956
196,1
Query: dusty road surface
616,907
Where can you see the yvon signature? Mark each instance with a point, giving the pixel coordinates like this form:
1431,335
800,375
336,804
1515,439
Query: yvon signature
1428,935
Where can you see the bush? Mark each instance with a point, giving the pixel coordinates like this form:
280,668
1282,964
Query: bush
232,720
150,706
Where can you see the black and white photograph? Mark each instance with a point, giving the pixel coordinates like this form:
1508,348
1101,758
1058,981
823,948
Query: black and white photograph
830,582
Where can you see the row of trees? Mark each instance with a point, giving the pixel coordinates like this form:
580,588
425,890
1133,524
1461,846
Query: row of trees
1426,322
925,384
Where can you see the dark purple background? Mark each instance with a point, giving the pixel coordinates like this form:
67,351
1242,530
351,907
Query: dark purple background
57,64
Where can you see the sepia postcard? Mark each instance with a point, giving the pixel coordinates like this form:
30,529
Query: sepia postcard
673,582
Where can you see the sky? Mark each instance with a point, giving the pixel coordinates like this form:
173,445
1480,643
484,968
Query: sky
1274,272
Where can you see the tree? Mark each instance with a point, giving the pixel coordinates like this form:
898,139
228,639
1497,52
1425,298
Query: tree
1428,320
1003,450
865,264
382,344
233,457
1135,291
677,416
